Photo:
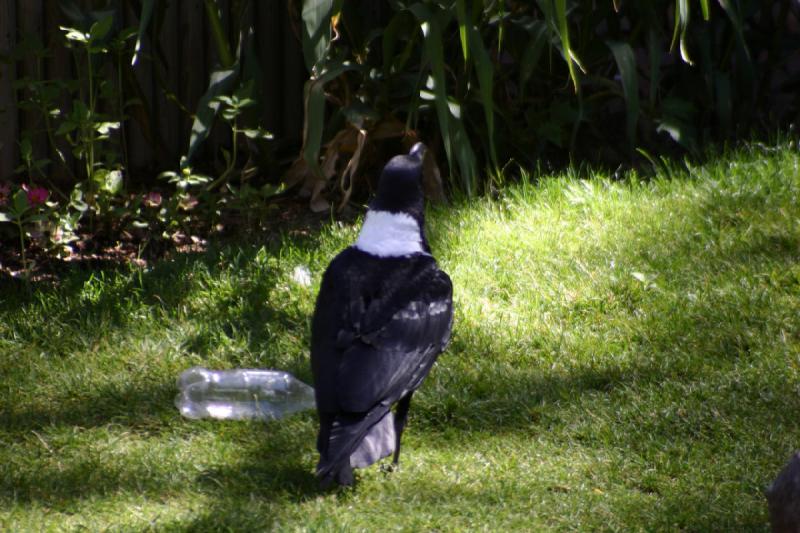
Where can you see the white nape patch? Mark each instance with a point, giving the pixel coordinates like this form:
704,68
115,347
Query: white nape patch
388,234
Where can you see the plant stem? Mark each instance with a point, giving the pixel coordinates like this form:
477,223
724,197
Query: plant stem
91,113
120,102
218,34
22,249
235,135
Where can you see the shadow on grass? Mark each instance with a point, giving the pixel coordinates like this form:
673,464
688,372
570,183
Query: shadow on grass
274,469
88,307
135,406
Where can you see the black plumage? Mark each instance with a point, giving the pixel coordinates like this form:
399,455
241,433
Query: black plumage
383,315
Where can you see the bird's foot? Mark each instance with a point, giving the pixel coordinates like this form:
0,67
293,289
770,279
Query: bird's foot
390,467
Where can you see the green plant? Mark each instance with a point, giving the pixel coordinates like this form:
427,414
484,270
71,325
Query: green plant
487,83
40,97
233,107
85,127
189,187
25,210
239,75
33,167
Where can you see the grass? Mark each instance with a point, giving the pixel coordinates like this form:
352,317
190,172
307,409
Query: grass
626,356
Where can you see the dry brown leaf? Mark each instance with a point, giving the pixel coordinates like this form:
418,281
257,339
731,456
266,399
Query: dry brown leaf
346,181
318,202
432,179
298,173
389,129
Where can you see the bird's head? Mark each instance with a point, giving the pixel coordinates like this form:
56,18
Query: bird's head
394,225
400,185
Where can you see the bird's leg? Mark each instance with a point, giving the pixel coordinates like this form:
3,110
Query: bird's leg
400,417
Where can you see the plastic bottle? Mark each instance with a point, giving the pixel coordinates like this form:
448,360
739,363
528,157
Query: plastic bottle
241,394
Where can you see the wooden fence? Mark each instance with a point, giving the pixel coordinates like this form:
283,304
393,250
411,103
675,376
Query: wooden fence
186,56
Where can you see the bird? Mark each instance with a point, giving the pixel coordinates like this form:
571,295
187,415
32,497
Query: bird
383,314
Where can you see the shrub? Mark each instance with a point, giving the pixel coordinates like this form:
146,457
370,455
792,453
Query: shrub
498,81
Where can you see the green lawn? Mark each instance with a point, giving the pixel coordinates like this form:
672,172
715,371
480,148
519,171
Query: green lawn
625,356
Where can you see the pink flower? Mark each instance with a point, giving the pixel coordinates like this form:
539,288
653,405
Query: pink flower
36,195
5,193
152,199
188,202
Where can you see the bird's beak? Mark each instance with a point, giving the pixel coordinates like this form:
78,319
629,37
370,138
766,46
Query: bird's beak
418,151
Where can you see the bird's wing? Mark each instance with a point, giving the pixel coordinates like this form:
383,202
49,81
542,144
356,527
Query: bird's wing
379,346
395,349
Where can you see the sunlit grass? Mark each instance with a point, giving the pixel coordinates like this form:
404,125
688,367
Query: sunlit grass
625,357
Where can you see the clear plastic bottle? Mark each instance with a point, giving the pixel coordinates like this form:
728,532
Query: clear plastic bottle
241,394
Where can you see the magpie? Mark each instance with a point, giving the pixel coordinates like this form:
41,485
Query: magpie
383,314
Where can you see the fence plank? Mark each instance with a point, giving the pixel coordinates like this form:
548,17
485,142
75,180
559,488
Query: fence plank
269,44
220,135
140,151
8,109
193,71
30,18
168,81
59,67
189,54
294,76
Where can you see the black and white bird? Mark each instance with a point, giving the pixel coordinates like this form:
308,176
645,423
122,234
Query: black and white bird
383,315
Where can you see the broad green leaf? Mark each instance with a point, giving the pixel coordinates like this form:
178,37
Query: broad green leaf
99,176
105,128
317,16
626,63
221,81
66,127
26,149
99,30
72,11
456,143
112,183
218,35
257,133
732,9
144,22
74,35
463,24
19,203
530,58
681,132
314,125
434,54
485,70
391,35
704,7
569,55
76,201
682,14
736,19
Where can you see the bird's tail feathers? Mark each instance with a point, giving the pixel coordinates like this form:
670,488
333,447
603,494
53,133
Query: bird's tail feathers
356,441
